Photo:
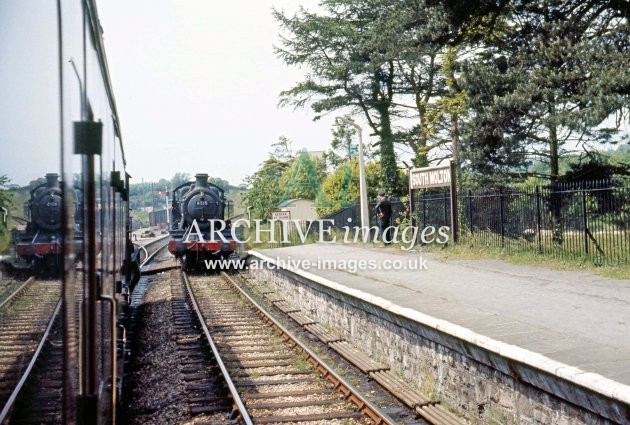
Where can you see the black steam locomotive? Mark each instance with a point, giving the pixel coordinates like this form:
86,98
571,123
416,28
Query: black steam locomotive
198,228
38,247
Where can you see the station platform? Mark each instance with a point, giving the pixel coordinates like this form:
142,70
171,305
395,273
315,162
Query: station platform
573,325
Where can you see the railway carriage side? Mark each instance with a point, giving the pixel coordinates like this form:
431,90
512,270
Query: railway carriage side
58,107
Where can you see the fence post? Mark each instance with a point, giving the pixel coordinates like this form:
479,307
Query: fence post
413,211
584,218
470,211
538,235
501,214
446,203
424,209
454,208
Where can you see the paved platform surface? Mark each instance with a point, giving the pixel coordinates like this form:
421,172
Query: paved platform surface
575,318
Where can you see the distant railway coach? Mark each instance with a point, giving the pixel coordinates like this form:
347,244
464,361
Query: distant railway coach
198,228
158,218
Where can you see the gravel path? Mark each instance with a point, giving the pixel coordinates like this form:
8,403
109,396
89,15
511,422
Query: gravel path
157,386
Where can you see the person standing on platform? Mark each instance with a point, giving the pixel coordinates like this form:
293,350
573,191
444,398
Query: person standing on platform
383,210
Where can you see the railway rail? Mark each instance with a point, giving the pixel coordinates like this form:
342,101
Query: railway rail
8,286
149,250
271,376
426,408
27,317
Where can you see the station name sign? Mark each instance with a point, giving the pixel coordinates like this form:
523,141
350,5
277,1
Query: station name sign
281,215
422,178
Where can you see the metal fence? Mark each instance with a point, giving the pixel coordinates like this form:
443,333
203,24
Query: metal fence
351,215
290,233
586,219
570,220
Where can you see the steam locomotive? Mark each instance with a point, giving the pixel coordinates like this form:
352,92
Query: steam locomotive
198,228
38,248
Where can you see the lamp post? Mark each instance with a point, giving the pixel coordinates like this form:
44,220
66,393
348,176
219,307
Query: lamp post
365,218
168,221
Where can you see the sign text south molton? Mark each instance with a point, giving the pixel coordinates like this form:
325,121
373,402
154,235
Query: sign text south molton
421,178
427,177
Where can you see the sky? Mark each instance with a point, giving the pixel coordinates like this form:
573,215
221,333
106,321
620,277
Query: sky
197,84
28,129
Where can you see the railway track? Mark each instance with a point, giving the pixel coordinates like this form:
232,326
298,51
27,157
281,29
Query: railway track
8,286
425,408
270,376
155,257
26,321
149,250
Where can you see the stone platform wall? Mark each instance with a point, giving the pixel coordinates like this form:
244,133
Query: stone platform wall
480,385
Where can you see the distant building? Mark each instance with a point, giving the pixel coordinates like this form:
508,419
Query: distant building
316,154
300,209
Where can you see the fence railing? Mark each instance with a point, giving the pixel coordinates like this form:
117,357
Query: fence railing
351,215
573,220
569,220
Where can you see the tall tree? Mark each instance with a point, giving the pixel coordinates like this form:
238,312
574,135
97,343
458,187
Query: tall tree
336,47
223,184
179,179
341,187
546,85
264,194
413,35
302,177
342,147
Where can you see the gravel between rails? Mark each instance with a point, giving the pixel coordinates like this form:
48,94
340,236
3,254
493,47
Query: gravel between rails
158,389
156,386
157,395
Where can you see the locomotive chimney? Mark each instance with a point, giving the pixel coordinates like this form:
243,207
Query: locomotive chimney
52,180
202,180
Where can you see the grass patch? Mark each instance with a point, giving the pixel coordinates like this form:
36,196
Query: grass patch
303,364
464,251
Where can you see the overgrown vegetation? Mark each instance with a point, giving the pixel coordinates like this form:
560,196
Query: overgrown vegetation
496,86
519,93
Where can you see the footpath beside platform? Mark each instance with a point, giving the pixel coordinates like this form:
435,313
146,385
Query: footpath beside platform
518,340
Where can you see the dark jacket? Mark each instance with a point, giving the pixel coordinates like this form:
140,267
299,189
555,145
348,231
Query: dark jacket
383,210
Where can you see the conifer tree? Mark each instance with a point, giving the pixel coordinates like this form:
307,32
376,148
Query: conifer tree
544,87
